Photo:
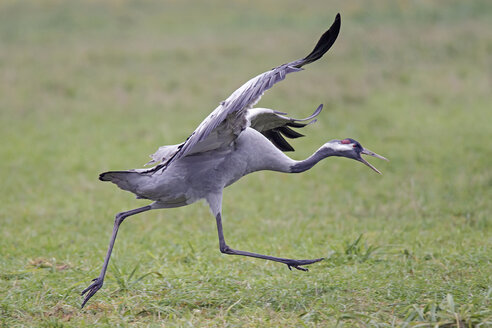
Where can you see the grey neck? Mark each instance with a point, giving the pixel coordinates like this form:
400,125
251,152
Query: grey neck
308,163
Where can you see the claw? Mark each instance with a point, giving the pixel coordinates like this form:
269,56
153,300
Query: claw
91,290
296,264
290,266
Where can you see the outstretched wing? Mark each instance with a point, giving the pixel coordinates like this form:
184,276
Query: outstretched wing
276,125
227,121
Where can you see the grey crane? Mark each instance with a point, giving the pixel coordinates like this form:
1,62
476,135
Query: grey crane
234,140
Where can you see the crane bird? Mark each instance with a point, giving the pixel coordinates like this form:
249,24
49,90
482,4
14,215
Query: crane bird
234,140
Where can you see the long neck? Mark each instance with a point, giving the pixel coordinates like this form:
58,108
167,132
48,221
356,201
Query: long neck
301,166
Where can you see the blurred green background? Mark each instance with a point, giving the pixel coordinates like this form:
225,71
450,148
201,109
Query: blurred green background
90,86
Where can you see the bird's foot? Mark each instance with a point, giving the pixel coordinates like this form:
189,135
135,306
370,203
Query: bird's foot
296,264
92,289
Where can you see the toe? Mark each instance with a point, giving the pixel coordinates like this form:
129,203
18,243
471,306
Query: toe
91,290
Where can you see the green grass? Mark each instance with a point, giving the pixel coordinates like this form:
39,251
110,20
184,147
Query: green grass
87,87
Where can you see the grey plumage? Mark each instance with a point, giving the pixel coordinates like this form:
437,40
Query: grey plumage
233,141
244,98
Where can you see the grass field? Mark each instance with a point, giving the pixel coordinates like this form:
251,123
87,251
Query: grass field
87,87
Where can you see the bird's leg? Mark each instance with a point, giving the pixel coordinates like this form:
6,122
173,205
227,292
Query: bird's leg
98,282
291,263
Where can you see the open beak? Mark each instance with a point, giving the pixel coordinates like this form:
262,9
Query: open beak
370,153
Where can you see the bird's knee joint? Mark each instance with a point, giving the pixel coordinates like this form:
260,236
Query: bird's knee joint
119,218
226,249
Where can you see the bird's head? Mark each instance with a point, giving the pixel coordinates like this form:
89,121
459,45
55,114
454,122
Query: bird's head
350,148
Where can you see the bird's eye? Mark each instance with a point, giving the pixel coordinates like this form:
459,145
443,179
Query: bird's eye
355,146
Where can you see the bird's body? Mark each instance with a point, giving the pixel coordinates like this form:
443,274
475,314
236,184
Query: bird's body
234,140
195,176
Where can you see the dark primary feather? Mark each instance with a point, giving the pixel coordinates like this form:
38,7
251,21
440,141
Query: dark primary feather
234,107
277,139
324,43
296,125
278,127
289,133
276,136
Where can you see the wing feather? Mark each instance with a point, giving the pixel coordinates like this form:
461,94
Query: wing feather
274,125
230,114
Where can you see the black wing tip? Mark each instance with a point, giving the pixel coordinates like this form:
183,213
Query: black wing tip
276,138
289,133
324,44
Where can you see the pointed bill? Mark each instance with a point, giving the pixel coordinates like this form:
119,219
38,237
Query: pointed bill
373,154
369,164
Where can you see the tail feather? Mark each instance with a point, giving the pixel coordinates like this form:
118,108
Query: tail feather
126,180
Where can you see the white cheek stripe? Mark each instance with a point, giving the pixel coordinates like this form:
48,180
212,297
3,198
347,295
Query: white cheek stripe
342,147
